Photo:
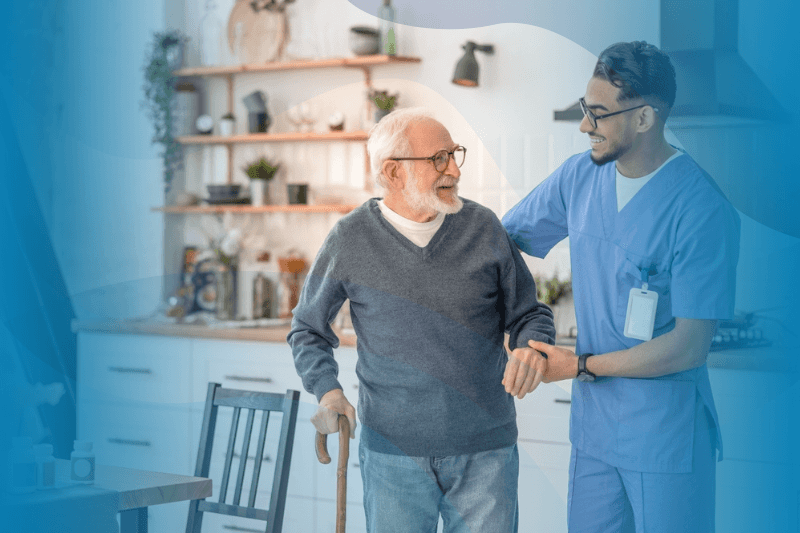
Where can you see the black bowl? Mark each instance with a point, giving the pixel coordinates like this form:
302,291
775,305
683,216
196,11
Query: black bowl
221,192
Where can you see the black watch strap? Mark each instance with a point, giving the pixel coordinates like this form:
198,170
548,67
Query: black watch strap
582,365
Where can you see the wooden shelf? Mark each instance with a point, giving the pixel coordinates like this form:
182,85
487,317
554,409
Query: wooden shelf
275,137
344,62
238,208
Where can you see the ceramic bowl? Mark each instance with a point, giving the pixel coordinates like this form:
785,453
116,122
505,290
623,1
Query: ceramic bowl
364,40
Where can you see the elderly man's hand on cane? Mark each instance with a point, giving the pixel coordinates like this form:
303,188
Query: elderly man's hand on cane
333,404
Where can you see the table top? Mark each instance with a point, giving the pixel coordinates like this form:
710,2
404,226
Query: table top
133,488
141,488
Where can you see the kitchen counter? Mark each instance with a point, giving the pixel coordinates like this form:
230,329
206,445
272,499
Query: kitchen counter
757,359
262,334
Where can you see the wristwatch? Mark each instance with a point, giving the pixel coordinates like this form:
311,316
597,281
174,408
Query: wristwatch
583,374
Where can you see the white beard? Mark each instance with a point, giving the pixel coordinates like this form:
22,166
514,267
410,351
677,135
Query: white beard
429,201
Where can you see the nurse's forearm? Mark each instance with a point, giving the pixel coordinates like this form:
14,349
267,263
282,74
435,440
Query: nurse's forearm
685,347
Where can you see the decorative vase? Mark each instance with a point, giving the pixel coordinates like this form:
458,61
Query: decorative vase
259,192
227,127
380,113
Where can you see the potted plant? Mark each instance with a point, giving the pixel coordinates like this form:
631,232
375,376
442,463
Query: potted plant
227,125
163,57
384,102
260,172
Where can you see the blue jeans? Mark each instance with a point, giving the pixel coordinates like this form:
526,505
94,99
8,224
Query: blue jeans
474,493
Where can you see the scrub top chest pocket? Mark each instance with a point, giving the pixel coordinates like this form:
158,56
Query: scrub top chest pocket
629,276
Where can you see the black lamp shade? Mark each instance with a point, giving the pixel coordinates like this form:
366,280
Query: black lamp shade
467,68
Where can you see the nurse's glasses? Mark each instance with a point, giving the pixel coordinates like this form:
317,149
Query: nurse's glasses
594,118
441,158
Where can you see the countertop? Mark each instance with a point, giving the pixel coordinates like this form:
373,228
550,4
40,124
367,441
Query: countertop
261,334
756,359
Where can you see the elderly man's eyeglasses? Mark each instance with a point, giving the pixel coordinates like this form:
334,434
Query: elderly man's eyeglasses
441,158
594,118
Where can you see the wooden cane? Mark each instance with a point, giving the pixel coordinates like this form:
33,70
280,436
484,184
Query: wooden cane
341,469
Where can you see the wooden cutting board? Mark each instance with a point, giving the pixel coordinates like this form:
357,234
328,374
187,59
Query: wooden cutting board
256,37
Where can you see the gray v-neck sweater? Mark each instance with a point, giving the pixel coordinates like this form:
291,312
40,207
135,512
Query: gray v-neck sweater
430,325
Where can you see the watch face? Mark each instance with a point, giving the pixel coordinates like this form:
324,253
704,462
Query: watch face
586,377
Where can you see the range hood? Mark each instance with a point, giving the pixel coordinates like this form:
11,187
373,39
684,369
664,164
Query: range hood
716,86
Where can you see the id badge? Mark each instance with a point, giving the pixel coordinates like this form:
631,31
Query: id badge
641,315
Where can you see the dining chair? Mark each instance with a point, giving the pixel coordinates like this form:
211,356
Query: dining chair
250,402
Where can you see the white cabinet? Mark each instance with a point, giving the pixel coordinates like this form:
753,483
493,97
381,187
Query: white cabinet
141,400
544,448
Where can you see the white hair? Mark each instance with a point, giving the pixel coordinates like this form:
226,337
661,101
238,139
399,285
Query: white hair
388,139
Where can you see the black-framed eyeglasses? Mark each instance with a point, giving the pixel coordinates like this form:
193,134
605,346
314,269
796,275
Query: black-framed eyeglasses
441,158
594,118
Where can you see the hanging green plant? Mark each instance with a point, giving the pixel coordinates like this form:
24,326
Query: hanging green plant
159,91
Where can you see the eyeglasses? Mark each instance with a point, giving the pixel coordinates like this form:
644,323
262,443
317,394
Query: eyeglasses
441,158
594,118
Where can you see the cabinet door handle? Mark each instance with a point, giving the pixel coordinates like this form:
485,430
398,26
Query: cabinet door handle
130,442
129,370
562,400
250,379
239,528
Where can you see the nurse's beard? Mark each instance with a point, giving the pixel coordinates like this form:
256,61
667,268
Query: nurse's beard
615,154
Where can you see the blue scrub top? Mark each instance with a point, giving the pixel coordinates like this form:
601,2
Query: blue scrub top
682,229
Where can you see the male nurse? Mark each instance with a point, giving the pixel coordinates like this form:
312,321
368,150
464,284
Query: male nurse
654,245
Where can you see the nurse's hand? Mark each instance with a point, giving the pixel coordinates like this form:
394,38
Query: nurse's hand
332,404
561,362
524,371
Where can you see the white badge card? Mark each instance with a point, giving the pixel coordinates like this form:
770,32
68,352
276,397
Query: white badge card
641,316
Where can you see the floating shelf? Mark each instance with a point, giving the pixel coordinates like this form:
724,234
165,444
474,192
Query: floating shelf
274,137
344,62
234,208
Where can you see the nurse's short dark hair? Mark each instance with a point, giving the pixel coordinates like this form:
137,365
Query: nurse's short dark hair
640,70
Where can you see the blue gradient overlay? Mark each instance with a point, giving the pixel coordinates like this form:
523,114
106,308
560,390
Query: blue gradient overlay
72,130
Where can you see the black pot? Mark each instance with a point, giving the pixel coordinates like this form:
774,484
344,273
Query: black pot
298,193
258,122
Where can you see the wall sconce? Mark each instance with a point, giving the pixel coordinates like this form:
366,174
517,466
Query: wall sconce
467,67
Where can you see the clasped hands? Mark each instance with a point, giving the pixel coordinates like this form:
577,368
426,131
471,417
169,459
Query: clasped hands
536,363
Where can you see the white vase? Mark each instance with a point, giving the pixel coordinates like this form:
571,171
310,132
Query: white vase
259,192
226,127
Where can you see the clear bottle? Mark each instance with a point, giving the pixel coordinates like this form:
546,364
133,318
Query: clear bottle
388,28
45,466
82,463
22,466
211,35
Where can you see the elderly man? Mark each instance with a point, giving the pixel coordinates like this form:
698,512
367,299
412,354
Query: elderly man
433,282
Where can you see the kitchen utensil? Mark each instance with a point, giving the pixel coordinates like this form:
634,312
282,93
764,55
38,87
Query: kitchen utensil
256,37
263,296
341,468
255,102
364,40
